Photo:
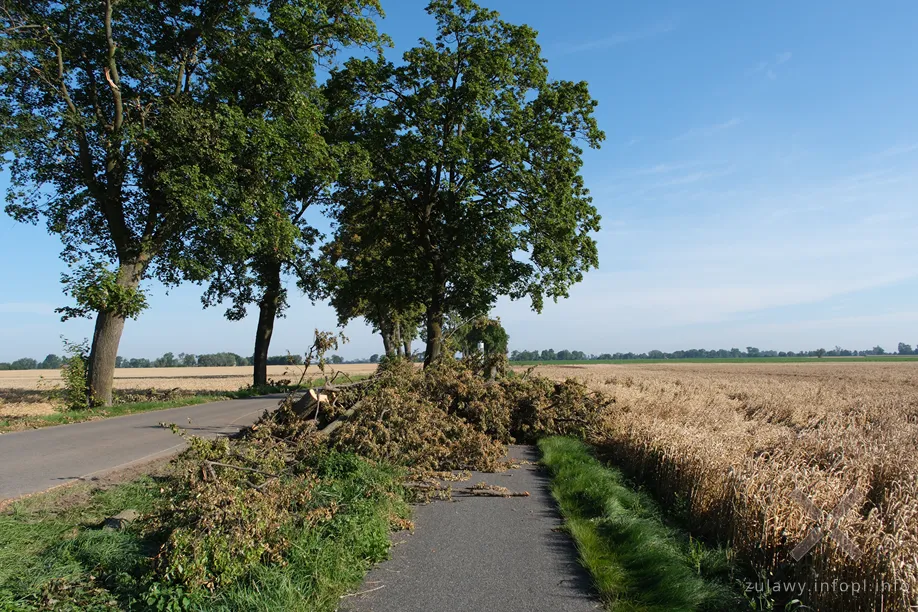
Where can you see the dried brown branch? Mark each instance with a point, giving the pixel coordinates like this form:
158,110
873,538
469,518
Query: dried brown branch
486,490
210,465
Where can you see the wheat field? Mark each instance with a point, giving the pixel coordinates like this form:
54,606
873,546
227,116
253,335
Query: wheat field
727,445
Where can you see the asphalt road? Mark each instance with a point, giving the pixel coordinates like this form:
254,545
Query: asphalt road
39,459
482,554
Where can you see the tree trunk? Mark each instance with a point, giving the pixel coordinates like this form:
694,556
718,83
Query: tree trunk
102,356
434,331
397,338
267,314
407,342
387,343
105,340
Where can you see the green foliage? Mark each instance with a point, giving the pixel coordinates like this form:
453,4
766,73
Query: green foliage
637,563
53,555
285,360
292,167
97,289
241,534
482,330
475,189
26,363
110,143
73,373
157,139
214,360
51,362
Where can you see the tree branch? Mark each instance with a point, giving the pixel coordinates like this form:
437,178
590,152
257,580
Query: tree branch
111,71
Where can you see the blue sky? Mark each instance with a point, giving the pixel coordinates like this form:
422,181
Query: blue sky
758,187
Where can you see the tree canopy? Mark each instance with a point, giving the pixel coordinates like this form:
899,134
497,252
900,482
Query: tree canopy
139,129
475,189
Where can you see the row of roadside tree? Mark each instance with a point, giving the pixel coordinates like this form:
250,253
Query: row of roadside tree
193,140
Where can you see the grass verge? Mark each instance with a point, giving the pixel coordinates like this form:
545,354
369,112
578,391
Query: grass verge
78,416
55,555
638,564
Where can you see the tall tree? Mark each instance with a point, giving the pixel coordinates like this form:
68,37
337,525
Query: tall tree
476,182
367,273
295,172
124,129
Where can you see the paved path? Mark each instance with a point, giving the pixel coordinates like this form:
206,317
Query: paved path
482,554
39,459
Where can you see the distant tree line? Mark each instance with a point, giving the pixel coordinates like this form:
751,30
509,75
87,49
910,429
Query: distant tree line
751,352
215,360
170,360
51,362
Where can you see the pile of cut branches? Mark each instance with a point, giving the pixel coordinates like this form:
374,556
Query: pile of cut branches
240,501
447,417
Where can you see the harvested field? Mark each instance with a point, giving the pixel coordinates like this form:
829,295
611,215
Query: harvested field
29,393
726,446
188,379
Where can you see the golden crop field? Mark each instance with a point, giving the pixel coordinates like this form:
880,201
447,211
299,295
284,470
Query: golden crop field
727,445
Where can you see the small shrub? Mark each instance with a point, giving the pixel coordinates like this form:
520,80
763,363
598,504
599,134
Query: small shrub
74,374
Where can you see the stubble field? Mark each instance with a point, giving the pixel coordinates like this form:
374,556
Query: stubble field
28,392
729,449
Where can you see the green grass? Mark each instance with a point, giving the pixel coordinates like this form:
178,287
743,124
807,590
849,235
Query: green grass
54,554
330,559
638,564
719,360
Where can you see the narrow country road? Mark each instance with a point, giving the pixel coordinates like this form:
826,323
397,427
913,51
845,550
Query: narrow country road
39,459
482,554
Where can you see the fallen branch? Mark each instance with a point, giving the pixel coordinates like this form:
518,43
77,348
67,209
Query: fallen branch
210,465
316,396
341,420
359,383
486,490
382,586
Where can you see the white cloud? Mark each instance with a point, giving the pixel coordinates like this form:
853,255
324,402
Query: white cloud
769,66
683,269
709,130
894,151
620,38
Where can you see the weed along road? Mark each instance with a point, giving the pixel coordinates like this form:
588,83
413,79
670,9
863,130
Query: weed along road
39,459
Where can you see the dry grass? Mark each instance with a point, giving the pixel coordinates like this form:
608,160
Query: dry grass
727,444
